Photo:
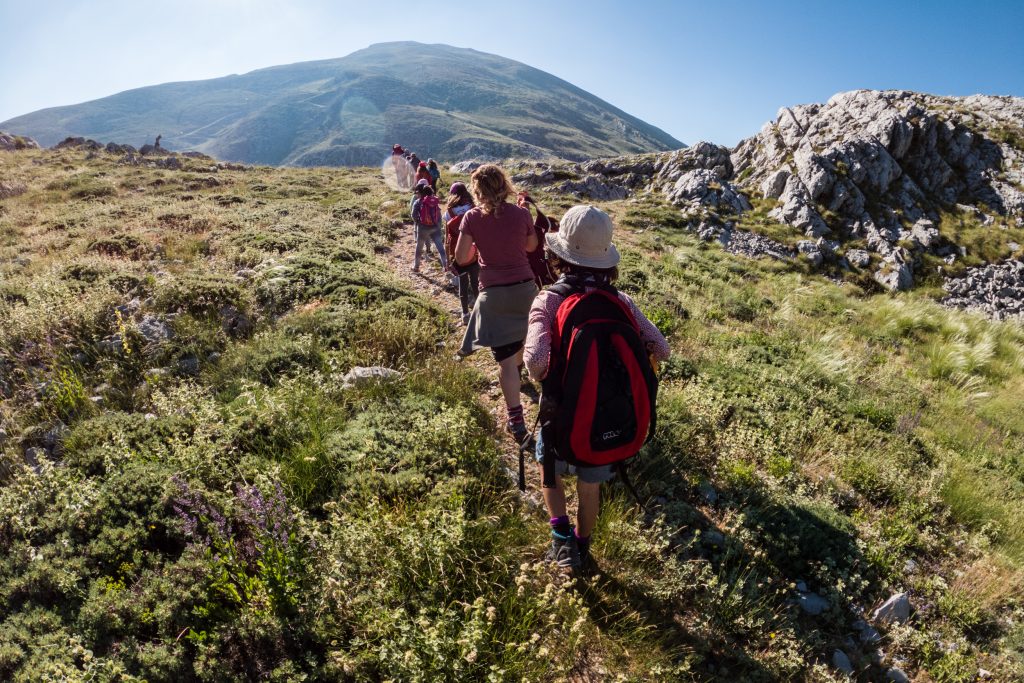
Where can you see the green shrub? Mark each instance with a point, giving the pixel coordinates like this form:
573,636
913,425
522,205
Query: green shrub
200,294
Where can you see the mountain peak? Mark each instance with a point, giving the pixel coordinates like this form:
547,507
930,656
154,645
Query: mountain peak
446,102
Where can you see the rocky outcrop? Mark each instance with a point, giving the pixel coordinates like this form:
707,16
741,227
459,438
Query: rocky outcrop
864,177
878,166
995,290
13,143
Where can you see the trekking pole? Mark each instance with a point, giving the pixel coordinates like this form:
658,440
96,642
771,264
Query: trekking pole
522,458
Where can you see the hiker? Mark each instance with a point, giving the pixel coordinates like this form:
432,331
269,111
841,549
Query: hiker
398,162
582,254
460,201
502,234
426,217
423,174
412,210
543,225
435,174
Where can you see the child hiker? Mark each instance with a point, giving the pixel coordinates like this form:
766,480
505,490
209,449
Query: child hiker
585,401
460,201
426,216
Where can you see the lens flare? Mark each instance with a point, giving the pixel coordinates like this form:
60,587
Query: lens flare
398,173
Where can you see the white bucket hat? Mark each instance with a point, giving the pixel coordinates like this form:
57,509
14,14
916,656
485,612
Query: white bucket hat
584,238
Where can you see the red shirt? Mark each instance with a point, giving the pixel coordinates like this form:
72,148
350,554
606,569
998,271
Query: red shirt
501,243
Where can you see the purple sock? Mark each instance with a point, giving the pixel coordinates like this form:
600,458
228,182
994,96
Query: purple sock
560,525
582,542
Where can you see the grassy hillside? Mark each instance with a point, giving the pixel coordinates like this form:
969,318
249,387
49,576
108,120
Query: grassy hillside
440,101
190,491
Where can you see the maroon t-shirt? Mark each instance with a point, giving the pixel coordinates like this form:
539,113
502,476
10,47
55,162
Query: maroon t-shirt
501,242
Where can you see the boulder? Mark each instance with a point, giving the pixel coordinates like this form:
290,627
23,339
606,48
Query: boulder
362,376
895,610
812,603
858,257
593,187
841,661
895,675
468,166
14,143
896,274
154,330
811,251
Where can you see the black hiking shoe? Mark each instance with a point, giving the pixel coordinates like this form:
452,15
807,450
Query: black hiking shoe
564,552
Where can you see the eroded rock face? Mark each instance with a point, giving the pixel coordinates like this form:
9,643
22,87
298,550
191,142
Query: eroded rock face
873,162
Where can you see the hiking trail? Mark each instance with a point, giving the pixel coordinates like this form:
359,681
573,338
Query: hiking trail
431,282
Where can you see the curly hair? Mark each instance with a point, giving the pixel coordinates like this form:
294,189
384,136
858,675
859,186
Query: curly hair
491,187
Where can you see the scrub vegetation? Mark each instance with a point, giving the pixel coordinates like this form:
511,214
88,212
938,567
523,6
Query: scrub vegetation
190,491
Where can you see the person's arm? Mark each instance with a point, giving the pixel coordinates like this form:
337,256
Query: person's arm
414,210
464,249
537,348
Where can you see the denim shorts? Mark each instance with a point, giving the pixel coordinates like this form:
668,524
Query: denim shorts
591,475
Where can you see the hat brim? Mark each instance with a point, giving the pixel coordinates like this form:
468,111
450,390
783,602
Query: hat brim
561,249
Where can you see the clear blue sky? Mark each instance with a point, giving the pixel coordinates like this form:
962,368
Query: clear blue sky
700,70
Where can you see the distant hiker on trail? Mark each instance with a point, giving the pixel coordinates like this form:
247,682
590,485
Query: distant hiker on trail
423,174
502,234
426,216
412,210
459,203
401,166
542,226
590,414
414,161
158,138
435,174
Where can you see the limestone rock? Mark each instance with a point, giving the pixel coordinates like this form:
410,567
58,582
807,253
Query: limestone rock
871,160
154,330
895,675
895,610
592,187
467,166
812,603
13,143
997,290
841,661
811,251
858,257
361,376
896,273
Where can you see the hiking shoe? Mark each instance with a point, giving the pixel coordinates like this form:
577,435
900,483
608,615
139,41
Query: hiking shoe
564,552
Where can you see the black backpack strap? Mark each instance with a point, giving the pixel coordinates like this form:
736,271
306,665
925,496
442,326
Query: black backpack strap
548,460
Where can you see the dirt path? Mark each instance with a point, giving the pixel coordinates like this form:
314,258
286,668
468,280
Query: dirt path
431,282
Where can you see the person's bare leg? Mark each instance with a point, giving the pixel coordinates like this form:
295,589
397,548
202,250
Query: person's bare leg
554,498
508,378
589,505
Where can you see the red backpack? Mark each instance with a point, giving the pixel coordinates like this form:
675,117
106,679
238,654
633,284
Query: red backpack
601,378
430,211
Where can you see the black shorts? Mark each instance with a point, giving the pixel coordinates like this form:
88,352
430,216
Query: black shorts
506,350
